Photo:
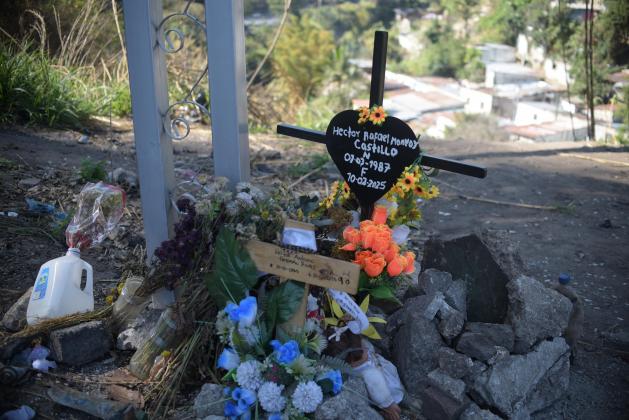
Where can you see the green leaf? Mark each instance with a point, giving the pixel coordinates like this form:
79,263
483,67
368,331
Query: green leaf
234,271
282,302
383,292
326,384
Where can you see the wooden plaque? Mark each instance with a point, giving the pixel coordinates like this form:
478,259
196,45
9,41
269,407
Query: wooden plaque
308,268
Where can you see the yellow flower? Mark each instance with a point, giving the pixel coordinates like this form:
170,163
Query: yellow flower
408,180
346,191
433,192
377,115
110,300
363,114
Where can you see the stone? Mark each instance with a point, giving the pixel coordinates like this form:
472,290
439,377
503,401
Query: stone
15,318
432,281
124,177
139,330
455,388
499,334
415,349
474,372
485,262
474,412
352,402
80,344
451,322
209,401
516,385
456,296
437,405
454,364
406,283
476,345
27,183
536,312
425,305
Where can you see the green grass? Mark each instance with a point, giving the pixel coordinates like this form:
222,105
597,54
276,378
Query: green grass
92,171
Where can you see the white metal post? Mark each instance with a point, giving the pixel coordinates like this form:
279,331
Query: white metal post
149,99
225,31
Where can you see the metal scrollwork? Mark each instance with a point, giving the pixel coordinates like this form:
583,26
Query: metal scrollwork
172,40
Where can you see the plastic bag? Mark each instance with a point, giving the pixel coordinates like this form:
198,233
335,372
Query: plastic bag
100,207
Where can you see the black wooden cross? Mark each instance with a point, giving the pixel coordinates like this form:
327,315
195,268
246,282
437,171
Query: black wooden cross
378,69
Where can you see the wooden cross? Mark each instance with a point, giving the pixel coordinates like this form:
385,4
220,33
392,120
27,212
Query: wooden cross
376,98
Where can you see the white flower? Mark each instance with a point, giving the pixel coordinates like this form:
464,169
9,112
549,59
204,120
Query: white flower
243,186
270,397
248,375
250,333
245,199
307,397
312,325
223,326
232,208
256,193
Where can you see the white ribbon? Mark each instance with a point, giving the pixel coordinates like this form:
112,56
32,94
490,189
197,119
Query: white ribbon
338,332
360,322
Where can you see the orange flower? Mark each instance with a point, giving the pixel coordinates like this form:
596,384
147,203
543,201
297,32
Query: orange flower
418,190
379,215
363,114
365,223
408,181
410,260
348,247
381,243
377,116
396,266
374,265
368,236
352,235
392,252
361,256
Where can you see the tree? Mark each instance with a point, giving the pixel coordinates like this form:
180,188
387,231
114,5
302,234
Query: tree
303,55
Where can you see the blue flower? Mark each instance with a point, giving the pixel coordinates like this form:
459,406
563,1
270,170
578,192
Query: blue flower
227,391
247,309
244,398
337,380
228,359
243,313
286,352
275,416
231,410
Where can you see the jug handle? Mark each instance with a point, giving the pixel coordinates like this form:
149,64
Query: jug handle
89,286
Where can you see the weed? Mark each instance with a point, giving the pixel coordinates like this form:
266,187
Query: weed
92,171
315,161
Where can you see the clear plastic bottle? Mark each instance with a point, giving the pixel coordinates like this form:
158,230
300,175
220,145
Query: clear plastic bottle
57,291
128,306
163,337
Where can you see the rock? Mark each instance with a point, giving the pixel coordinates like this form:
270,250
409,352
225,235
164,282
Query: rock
437,405
451,321
209,401
124,177
517,384
474,412
214,417
406,283
415,349
80,344
476,345
455,388
432,281
84,139
27,183
15,318
486,265
498,334
474,372
348,404
456,296
536,312
139,330
425,305
454,364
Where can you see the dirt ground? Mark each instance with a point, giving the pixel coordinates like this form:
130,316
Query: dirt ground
566,206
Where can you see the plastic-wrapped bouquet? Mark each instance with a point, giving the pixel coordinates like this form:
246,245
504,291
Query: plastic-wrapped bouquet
280,379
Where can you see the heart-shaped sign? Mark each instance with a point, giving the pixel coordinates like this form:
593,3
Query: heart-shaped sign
371,158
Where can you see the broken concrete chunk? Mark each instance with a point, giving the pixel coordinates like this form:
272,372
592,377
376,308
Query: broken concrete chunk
15,318
437,405
432,281
451,321
499,334
486,265
346,404
209,401
455,388
476,345
80,344
456,296
536,312
454,364
474,412
521,384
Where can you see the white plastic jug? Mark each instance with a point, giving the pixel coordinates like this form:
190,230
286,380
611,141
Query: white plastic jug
57,291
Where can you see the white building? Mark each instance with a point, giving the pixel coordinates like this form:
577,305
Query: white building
496,53
508,73
528,113
556,72
477,101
